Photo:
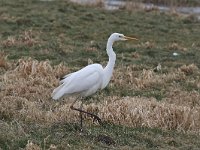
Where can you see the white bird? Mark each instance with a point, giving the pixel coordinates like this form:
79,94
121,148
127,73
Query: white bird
89,79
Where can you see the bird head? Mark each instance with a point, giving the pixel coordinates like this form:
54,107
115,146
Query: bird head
121,37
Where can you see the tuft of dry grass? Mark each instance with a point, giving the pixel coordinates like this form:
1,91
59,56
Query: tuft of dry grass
189,69
31,146
3,60
26,38
96,3
176,46
132,6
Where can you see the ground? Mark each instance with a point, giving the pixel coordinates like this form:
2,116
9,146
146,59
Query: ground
152,101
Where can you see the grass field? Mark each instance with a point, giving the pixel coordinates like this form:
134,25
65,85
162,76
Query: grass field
142,108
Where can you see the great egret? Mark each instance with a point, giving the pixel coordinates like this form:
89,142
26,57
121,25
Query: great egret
89,79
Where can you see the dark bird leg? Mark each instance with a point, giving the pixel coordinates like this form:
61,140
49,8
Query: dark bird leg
81,116
88,113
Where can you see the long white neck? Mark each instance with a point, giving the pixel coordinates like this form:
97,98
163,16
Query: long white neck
108,70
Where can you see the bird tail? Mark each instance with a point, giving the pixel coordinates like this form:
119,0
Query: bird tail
57,92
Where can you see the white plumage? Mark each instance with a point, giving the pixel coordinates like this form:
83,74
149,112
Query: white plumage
83,82
88,80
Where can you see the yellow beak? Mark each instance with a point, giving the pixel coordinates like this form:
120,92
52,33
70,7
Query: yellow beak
130,38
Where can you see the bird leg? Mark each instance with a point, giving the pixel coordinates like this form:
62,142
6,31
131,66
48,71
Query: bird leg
88,113
92,115
81,116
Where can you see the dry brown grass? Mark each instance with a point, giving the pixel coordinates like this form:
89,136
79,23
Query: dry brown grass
96,3
26,38
147,112
26,91
132,6
3,60
176,46
143,79
31,146
146,79
182,98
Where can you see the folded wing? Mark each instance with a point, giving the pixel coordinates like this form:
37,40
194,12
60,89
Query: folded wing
84,82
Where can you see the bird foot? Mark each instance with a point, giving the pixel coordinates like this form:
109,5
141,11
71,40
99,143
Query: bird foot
97,118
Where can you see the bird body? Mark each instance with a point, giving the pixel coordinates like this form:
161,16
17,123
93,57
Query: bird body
83,83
